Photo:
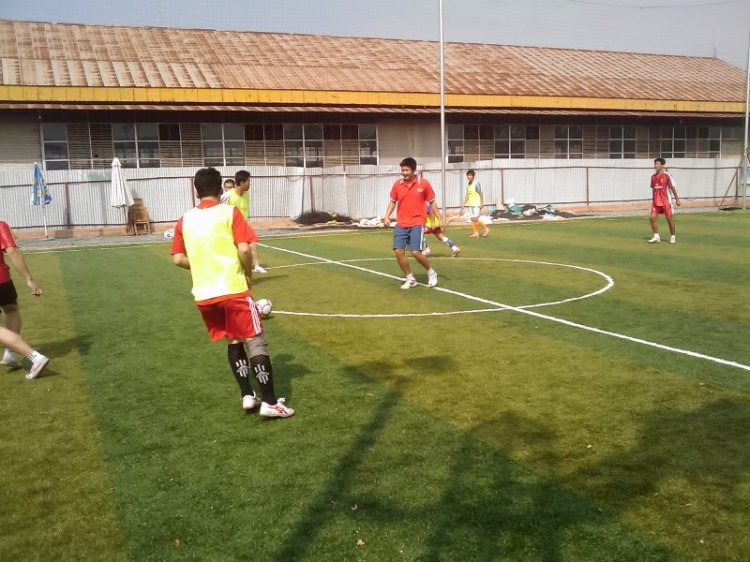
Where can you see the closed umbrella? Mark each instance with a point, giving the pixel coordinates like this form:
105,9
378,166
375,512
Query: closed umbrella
120,195
40,197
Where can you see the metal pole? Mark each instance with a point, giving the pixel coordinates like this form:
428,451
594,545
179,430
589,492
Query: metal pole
744,149
442,121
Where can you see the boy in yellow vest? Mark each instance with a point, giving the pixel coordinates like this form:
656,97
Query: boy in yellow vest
213,242
237,194
433,226
475,201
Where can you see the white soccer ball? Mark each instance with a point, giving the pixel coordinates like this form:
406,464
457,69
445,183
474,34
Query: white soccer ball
264,307
169,233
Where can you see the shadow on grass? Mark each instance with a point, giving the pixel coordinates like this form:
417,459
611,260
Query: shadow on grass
59,349
708,447
286,369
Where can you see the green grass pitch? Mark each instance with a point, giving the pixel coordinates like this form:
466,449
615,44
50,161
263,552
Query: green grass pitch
473,436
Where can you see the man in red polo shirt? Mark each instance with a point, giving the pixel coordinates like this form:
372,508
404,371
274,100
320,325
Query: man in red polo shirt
9,333
412,194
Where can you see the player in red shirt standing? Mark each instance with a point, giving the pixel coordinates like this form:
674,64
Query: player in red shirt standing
412,194
212,241
661,181
9,333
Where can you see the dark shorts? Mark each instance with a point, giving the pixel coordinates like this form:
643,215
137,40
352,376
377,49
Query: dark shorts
8,294
410,238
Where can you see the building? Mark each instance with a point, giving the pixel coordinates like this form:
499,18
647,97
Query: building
75,96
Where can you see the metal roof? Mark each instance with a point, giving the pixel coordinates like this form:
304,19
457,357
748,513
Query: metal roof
360,110
51,54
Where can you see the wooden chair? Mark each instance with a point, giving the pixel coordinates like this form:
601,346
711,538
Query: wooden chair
139,218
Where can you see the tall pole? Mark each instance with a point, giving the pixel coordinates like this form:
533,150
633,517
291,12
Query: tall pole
744,146
442,121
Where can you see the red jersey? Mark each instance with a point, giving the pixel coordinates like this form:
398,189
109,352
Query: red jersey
412,199
6,241
660,183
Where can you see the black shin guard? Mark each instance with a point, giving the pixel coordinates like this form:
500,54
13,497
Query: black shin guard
240,368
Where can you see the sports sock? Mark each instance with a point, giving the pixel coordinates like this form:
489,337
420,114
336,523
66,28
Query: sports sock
448,242
34,355
240,368
264,375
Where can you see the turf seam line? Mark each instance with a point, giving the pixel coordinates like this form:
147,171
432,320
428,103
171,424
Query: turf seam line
499,305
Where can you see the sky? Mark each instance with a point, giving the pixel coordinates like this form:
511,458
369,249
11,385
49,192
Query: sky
679,27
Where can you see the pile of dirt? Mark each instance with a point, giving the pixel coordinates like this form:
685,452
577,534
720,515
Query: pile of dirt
319,217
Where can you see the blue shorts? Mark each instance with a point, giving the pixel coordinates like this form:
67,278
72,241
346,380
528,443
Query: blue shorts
410,238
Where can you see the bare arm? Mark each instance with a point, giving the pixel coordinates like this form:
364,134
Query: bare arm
436,213
674,194
16,258
246,258
181,260
389,212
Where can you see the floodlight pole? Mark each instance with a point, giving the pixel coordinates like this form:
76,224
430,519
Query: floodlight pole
744,146
442,121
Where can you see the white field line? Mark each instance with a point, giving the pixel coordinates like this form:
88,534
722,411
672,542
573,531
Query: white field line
499,305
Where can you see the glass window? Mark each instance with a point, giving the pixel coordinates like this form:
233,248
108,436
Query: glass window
313,132
561,132
502,132
575,148
714,132
502,149
55,131
518,132
273,132
456,132
455,151
575,132
333,132
471,132
253,132
629,146
148,131
56,165
486,132
123,131
55,150
169,132
125,151
211,131
292,132
349,132
518,148
615,133
234,131
561,149
368,132
532,132
629,132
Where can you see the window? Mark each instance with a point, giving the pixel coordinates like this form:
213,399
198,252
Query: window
55,140
455,143
313,146
136,145
223,144
368,145
568,141
622,142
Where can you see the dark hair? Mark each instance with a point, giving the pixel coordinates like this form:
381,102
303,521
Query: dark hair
660,161
409,163
207,182
229,180
471,173
241,177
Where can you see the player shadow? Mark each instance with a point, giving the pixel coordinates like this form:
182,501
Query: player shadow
286,370
709,448
59,349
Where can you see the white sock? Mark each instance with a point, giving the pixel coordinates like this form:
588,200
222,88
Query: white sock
431,272
34,355
410,277
657,236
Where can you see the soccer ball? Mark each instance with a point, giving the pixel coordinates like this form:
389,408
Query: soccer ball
169,233
264,307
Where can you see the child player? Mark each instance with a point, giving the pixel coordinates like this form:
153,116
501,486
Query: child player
433,226
475,201
213,240
661,186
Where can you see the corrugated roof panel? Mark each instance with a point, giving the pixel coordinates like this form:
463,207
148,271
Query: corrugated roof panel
221,59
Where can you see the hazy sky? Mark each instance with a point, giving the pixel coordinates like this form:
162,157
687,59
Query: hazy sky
722,29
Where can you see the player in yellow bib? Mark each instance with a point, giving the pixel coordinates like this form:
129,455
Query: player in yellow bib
238,196
474,200
432,225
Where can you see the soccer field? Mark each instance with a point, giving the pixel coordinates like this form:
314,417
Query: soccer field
570,393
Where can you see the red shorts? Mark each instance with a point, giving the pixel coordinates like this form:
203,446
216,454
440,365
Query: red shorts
435,231
665,210
234,319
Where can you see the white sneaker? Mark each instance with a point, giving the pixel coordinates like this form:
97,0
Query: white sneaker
259,269
654,240
250,402
426,251
37,367
432,278
276,411
10,359
409,283
455,251
672,240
